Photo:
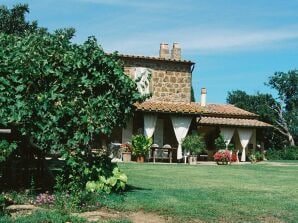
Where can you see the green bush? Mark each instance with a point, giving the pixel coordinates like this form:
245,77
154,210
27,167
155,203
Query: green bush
141,145
194,144
78,201
115,183
6,148
259,156
220,143
44,216
288,153
273,154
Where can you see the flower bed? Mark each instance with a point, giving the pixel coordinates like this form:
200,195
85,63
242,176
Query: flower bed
222,157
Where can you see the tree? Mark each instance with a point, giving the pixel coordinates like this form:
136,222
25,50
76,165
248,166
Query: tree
286,85
280,112
12,21
61,96
261,104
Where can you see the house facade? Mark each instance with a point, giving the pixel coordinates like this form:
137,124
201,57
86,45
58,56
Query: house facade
169,115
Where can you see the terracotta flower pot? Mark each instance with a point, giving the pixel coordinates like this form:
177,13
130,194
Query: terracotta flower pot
140,159
126,157
222,162
192,160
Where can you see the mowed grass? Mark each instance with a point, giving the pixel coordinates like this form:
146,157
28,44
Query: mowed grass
233,193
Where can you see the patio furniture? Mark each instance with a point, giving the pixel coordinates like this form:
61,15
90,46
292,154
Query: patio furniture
203,157
162,153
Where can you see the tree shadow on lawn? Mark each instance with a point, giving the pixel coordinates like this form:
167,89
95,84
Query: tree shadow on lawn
131,188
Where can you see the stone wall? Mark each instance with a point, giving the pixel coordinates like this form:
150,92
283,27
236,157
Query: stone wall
170,81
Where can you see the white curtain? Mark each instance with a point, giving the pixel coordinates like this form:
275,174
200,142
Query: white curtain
244,136
181,125
149,124
227,133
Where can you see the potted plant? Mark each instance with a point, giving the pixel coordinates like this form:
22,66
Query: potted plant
126,152
194,144
222,157
234,152
141,147
220,143
252,158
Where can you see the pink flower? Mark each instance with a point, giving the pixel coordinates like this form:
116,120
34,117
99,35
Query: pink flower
222,156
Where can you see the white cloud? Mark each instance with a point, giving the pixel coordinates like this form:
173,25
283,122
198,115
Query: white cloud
205,40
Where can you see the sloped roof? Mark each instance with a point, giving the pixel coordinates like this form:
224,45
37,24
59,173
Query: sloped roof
194,108
232,122
155,58
170,107
227,109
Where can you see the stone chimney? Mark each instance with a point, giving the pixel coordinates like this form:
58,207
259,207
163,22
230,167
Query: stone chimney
164,51
176,51
203,96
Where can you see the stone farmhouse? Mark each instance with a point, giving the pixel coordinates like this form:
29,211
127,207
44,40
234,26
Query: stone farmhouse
169,115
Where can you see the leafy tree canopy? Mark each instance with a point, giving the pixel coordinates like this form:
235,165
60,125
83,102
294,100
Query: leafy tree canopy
60,95
12,21
286,84
282,112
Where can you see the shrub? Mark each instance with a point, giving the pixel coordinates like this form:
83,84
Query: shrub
6,149
273,154
220,143
252,157
115,183
5,200
194,144
141,145
49,217
288,153
222,156
45,199
234,157
76,202
259,156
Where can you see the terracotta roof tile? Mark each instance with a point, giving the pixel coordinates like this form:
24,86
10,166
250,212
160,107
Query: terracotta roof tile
193,108
232,122
170,107
227,109
155,58
209,115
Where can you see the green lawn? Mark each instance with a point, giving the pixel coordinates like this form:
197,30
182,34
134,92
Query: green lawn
234,193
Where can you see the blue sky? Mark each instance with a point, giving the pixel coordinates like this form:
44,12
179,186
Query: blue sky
236,44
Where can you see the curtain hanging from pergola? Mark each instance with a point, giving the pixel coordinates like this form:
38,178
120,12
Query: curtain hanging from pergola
227,133
181,125
244,136
149,124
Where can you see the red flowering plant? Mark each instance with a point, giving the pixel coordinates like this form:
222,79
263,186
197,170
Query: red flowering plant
234,157
222,156
126,147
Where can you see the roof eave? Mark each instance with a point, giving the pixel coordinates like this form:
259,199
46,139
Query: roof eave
155,58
